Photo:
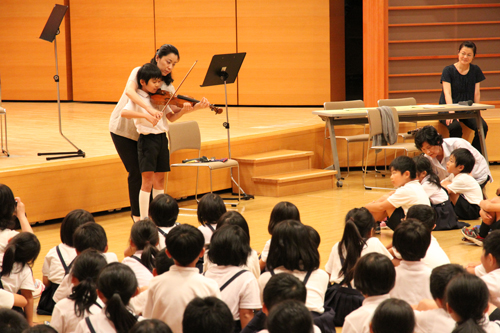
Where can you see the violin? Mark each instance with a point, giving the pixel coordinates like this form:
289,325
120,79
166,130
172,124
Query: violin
162,97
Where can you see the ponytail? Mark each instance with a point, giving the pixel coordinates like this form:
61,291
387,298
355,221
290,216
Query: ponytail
148,257
144,235
22,249
117,312
468,326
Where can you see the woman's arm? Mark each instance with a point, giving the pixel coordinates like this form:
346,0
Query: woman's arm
448,99
131,92
134,114
21,215
477,93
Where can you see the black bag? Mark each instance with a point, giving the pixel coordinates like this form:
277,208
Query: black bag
446,219
343,300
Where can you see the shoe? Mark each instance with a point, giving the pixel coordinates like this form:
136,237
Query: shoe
377,228
383,225
473,236
39,288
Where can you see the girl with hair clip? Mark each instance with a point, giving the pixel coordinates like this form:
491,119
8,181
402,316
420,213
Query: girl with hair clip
83,301
116,284
141,253
283,210
16,274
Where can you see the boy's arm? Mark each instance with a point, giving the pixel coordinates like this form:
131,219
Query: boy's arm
379,207
187,108
134,114
131,92
20,301
28,309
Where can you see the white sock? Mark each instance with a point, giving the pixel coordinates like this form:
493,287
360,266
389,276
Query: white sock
144,203
156,192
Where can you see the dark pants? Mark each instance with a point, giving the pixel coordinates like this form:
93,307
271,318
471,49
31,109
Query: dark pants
456,130
127,150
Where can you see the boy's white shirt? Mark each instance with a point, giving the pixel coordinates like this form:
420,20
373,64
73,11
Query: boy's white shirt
465,185
143,125
411,193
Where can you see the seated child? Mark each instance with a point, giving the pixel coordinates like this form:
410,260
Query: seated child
207,315
409,192
8,300
163,211
12,321
465,193
393,316
290,316
168,294
490,220
210,208
411,239
374,277
490,260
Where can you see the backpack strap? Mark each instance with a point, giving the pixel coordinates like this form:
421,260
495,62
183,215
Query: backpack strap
209,226
66,268
232,279
139,260
164,234
308,275
89,325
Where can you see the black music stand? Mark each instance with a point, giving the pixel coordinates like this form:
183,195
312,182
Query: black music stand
49,34
224,69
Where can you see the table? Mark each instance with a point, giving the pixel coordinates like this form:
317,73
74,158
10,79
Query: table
405,113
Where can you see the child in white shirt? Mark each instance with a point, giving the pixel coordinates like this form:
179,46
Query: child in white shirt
490,260
208,314
163,211
393,314
290,316
210,208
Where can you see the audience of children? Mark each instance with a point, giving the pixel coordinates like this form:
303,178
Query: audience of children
163,211
393,316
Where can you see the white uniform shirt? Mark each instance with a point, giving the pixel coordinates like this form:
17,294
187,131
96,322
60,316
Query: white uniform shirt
492,280
64,319
359,320
19,278
6,299
5,236
207,232
434,257
333,266
265,252
161,239
142,125
433,321
437,195
100,323
415,274
252,263
52,266
411,193
169,293
467,186
142,274
138,302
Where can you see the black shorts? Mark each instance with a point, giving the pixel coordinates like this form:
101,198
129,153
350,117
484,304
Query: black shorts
153,153
395,219
465,210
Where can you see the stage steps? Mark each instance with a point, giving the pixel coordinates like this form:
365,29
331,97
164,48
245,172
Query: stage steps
282,172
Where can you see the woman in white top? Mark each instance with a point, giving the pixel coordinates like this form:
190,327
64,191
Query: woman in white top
123,131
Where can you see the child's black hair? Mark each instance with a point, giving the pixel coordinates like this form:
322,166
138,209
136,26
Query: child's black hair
86,269
71,221
290,316
144,235
465,158
184,243
428,134
207,315
117,282
163,262
150,326
210,208
393,316
90,235
402,164
314,235
12,321
234,218
467,295
147,72
41,328
424,213
491,244
422,164
359,223
164,210
441,276
282,211
374,274
22,249
282,287
163,51
292,248
412,239
229,246
7,207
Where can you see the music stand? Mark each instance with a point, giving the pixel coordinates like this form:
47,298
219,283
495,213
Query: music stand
224,69
49,33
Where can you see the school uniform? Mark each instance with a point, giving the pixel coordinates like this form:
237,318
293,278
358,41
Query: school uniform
19,278
5,236
480,270
64,318
359,320
467,205
162,233
492,280
52,267
100,323
412,282
334,266
142,273
169,293
6,299
433,321
434,257
252,263
138,302
265,252
207,230
490,326
316,286
411,193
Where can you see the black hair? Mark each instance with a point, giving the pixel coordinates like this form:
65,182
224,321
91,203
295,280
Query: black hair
210,208
282,211
470,45
163,51
491,244
117,282
229,246
234,218
86,268
184,243
290,316
147,72
467,295
412,239
12,321
424,213
7,207
465,158
292,248
207,315
314,235
41,328
150,326
164,210
90,235
393,316
282,287
359,223
71,221
402,164
422,164
22,249
144,235
374,274
428,134
441,276
163,262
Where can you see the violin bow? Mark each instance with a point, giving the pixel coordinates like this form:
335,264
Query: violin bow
180,84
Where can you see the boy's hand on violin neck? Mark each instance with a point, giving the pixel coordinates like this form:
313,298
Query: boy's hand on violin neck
203,104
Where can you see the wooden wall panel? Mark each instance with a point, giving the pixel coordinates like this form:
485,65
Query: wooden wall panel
27,63
109,39
199,29
288,52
